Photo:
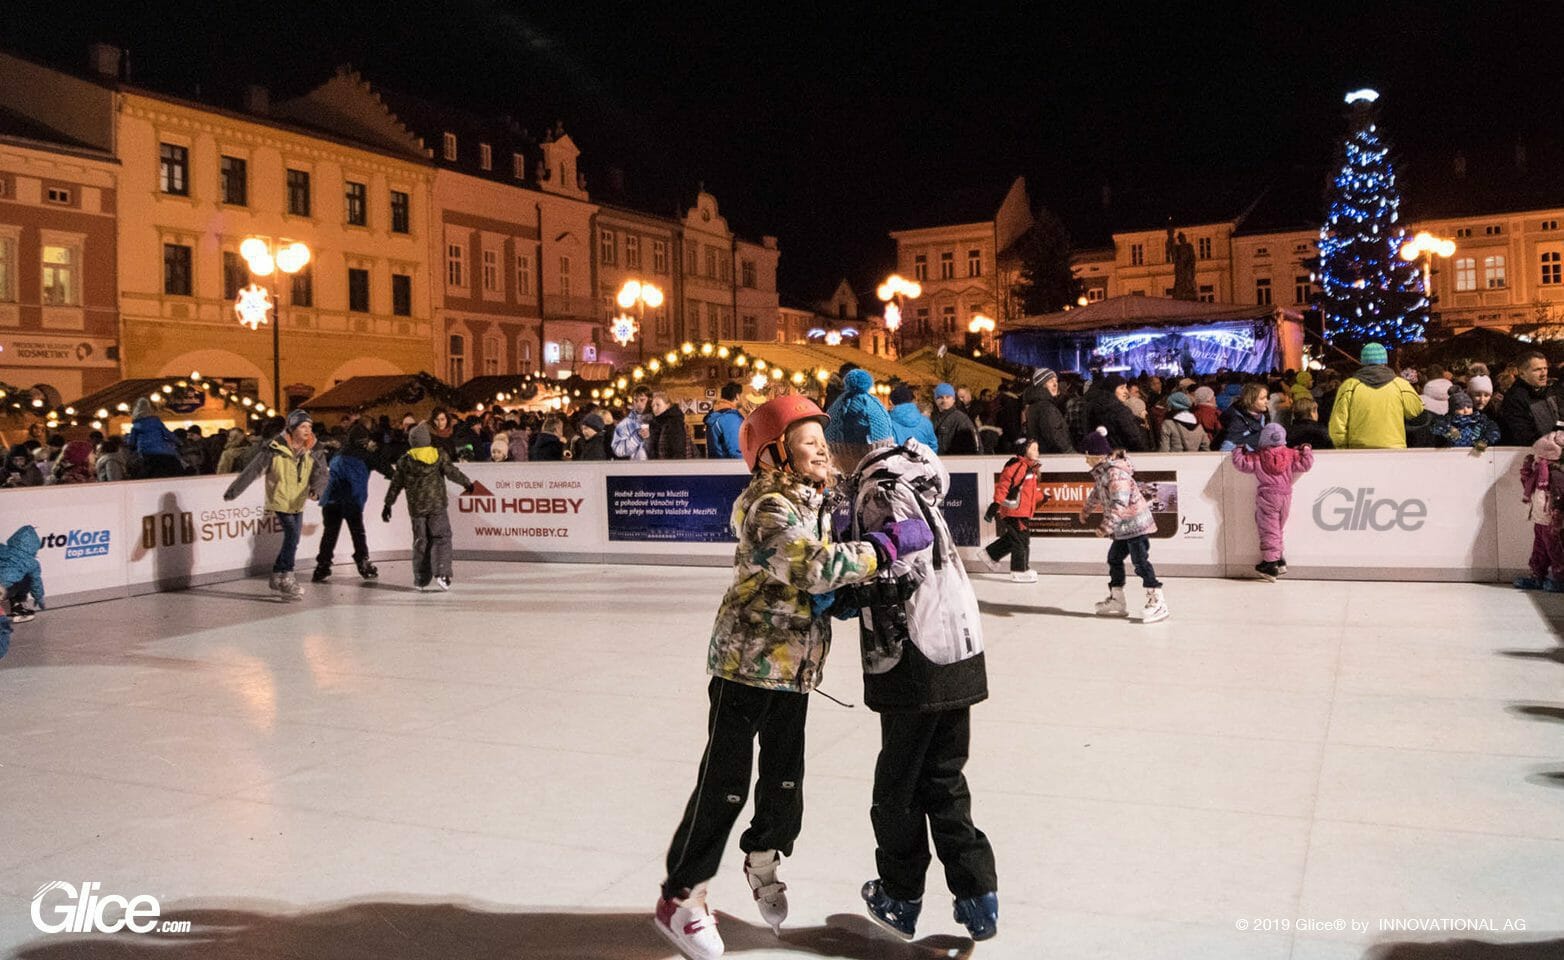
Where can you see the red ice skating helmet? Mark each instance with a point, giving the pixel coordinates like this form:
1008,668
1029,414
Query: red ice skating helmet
766,426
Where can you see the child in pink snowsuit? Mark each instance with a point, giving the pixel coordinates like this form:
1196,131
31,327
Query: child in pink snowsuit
1542,486
1275,468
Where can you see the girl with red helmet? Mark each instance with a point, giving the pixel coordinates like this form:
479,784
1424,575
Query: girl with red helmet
767,649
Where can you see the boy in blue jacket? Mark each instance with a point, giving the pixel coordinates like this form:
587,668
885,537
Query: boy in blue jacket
722,424
347,490
20,575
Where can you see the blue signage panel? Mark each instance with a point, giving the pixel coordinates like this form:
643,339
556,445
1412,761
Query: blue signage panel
678,509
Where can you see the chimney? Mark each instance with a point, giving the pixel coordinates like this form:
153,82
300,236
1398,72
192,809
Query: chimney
1520,156
104,59
1460,164
257,100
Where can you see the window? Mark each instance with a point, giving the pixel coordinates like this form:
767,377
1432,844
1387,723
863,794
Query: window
1463,232
748,273
523,354
523,275
920,266
1550,224
235,275
1551,268
564,276
923,320
659,256
749,328
1137,254
567,351
174,169
607,248
59,195
401,294
491,271
235,176
947,265
948,318
518,166
493,347
974,263
1096,294
358,290
1207,293
399,212
7,269
458,354
485,160
455,265
1493,272
61,285
176,271
358,204
449,145
692,255
1302,288
1262,290
1203,247
299,193
1300,248
1465,273
711,262
1493,230
1262,251
302,289
632,251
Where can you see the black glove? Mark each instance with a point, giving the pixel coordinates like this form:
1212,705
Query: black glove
991,513
386,513
467,490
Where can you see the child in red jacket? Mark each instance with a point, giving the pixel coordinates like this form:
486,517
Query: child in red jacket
1015,499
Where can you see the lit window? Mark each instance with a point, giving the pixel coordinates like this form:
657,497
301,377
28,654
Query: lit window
450,147
1466,273
60,282
174,169
1551,268
485,157
1493,272
357,200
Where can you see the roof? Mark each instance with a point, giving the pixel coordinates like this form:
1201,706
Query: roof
359,393
1139,311
431,121
16,126
127,392
963,371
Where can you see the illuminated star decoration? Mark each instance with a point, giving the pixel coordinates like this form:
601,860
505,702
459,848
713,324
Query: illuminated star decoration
252,305
624,330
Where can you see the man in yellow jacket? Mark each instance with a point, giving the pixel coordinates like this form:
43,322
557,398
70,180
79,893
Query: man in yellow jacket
1373,406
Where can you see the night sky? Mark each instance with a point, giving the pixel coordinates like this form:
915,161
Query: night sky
829,125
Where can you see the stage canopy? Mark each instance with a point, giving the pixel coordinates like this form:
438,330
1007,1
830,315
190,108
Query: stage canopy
1136,334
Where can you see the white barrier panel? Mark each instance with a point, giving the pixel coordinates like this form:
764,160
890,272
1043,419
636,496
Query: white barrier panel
84,537
1513,518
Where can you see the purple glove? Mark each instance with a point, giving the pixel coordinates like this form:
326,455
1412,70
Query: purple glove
902,537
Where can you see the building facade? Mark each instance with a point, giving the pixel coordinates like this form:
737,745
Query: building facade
632,245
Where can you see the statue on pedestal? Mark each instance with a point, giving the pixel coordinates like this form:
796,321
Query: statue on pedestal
1181,253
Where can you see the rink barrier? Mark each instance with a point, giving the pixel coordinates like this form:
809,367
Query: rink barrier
1452,515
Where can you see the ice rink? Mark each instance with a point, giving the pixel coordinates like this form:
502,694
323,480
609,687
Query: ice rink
495,772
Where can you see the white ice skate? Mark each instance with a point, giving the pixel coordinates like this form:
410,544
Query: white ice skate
690,925
984,562
289,587
1114,606
1023,576
1156,607
760,869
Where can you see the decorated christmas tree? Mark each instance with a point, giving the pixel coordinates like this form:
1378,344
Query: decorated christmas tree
1368,292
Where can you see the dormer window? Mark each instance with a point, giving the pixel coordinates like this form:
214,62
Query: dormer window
485,156
450,146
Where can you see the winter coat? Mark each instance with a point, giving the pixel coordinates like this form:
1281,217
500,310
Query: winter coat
347,482
1016,489
722,432
1525,414
149,438
628,443
1125,432
1371,410
233,452
1542,490
112,466
909,423
1275,469
1125,512
25,475
590,448
1046,425
670,439
955,431
768,632
1311,432
545,446
423,471
1241,428
938,664
292,479
19,560
1182,433
73,464
443,440
1010,416
1209,418
1465,430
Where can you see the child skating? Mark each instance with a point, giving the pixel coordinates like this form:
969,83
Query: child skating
1126,517
1015,500
423,471
295,474
347,490
1275,468
20,575
1542,489
766,653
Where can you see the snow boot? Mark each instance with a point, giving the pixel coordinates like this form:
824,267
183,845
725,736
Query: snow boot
1156,607
1114,606
897,917
689,925
760,869
980,915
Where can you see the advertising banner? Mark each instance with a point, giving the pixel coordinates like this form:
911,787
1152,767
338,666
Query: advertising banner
961,510
693,508
83,535
1062,495
543,508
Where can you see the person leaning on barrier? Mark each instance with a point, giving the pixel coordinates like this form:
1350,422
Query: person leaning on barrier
1373,405
1529,409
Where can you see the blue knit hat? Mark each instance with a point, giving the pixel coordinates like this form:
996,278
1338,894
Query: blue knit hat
858,381
857,415
1373,354
1179,400
944,390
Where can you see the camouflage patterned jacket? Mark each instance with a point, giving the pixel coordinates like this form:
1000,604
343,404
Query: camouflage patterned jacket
767,632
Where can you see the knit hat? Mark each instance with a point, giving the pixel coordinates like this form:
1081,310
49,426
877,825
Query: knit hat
1436,396
419,436
1304,379
143,408
1179,400
1097,444
1460,400
857,415
1480,385
1273,435
901,393
944,390
593,420
1113,381
1547,446
1042,375
1373,354
298,418
858,381
1204,396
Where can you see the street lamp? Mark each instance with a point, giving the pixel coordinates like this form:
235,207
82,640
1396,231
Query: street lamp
266,259
895,292
1426,245
982,325
640,295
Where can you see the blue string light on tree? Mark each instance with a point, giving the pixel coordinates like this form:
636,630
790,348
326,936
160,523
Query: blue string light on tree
1368,292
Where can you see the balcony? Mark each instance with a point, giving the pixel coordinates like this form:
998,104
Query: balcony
577,308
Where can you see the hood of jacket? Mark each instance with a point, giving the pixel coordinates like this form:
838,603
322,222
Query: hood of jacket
424,455
143,408
768,482
1113,465
910,461
1276,461
1375,375
906,414
25,541
1186,419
